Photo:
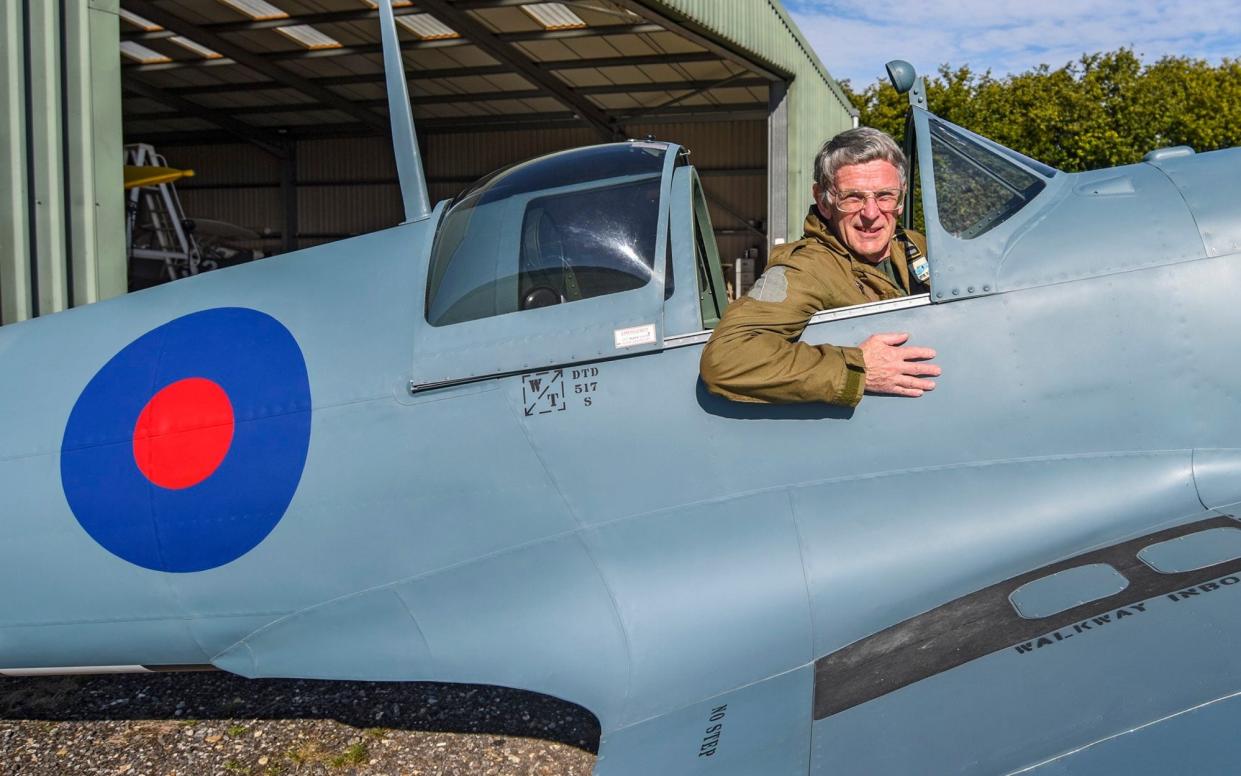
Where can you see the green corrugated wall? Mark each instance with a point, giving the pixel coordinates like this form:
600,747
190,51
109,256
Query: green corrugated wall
62,229
763,31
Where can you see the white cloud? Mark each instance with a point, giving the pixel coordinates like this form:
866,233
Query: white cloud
1008,36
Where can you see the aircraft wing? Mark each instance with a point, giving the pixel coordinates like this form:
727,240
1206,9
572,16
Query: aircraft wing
138,176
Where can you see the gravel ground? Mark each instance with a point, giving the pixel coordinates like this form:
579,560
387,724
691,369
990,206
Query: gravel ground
215,723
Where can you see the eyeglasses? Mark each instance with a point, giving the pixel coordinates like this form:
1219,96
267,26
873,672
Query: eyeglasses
887,200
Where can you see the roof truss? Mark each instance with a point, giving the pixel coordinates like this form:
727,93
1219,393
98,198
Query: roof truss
162,17
505,49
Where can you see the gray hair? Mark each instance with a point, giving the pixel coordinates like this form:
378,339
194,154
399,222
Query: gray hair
856,146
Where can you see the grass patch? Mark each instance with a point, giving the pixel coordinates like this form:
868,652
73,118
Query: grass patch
353,755
304,754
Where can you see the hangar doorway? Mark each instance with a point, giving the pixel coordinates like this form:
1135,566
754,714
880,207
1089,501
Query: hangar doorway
279,108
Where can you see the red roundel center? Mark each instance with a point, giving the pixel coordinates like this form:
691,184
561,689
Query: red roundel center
183,433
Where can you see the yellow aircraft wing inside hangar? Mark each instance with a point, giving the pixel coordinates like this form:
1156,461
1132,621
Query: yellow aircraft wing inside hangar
137,176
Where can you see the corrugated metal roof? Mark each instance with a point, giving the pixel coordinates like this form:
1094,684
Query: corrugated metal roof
637,67
625,60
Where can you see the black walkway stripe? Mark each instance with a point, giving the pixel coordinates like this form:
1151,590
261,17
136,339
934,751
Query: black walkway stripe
984,622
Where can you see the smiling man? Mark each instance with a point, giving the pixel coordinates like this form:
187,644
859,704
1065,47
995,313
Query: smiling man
853,251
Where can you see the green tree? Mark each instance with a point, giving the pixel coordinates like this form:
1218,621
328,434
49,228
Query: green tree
1098,111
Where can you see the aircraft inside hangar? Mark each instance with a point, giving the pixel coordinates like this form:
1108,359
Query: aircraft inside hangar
278,109
1075,525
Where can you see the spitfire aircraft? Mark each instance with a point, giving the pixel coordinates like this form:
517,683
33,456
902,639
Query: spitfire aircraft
474,448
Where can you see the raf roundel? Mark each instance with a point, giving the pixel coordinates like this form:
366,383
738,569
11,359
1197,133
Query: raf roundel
184,451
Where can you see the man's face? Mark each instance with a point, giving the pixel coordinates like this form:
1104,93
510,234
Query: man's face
868,232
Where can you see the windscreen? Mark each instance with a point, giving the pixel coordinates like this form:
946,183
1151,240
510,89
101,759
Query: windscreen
976,189
555,230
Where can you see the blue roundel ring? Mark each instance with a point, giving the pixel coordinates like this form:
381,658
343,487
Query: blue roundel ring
258,364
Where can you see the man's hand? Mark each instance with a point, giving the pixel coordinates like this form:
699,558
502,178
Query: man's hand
896,370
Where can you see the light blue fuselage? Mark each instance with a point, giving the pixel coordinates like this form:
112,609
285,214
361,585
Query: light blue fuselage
653,552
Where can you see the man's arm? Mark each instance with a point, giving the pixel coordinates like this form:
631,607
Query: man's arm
754,354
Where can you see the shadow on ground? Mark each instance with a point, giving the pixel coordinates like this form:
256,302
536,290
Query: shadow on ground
414,706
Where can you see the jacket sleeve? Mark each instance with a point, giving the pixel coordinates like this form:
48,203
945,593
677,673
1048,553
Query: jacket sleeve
754,355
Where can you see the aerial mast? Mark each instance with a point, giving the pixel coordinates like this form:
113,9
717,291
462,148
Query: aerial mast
404,139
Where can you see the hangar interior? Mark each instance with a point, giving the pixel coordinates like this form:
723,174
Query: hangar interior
279,108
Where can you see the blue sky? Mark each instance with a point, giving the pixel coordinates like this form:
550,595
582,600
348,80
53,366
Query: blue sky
1010,36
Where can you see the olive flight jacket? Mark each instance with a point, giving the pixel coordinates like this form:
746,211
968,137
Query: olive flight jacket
754,354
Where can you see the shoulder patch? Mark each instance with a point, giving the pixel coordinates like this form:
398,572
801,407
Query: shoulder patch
772,286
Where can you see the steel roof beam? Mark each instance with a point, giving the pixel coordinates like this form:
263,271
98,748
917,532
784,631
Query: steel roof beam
422,75
225,28
690,91
462,22
739,111
342,80
526,122
452,42
745,222
414,45
151,11
691,114
692,88
416,75
248,25
483,123
325,17
471,5
265,140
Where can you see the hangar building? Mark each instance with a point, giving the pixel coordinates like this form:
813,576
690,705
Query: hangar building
279,108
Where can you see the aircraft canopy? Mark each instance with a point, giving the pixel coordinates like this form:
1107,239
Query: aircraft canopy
558,229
